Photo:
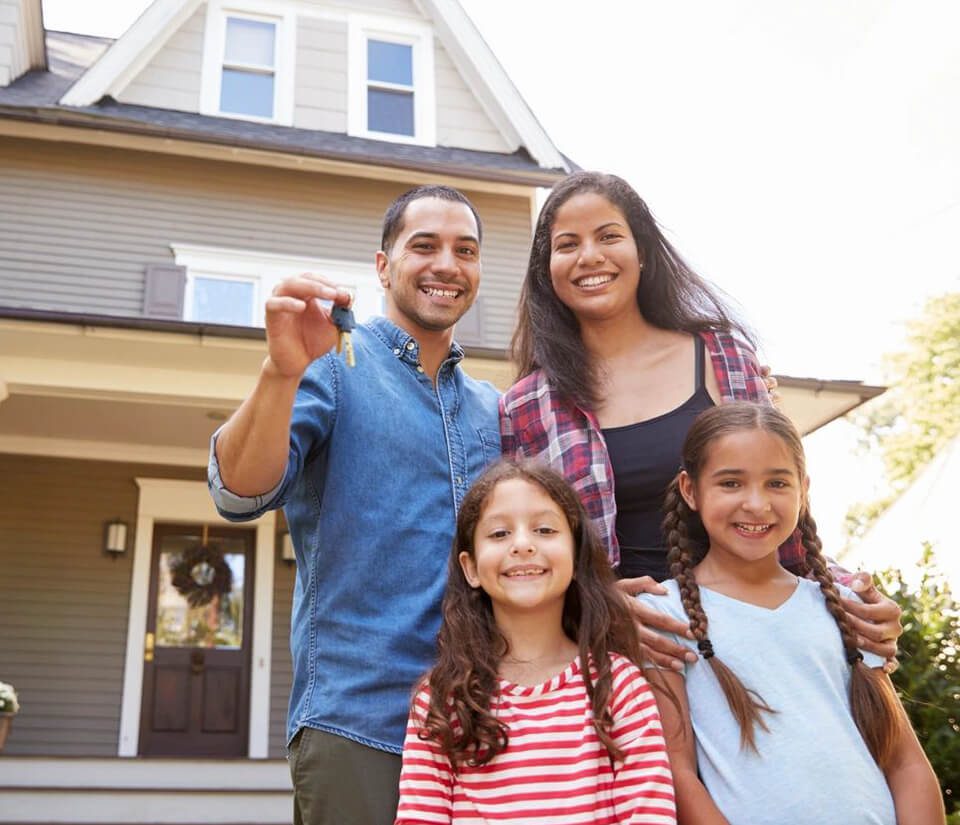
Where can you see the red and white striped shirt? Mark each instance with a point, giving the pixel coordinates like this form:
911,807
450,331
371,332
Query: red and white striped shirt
554,769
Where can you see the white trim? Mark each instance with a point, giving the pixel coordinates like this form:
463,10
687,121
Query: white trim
284,18
128,55
418,35
189,501
489,83
267,269
103,451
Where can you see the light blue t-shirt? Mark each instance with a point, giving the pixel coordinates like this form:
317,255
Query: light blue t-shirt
812,767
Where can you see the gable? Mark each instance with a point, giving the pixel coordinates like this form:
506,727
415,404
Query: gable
317,72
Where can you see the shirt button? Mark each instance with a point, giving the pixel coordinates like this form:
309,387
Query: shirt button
419,368
459,480
396,350
410,345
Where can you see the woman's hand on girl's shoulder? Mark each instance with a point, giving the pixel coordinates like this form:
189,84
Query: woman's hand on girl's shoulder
656,647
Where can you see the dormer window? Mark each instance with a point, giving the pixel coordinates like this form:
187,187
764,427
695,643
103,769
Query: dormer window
248,62
391,80
247,84
390,91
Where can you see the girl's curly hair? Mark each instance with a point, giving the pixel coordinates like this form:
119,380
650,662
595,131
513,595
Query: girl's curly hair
470,646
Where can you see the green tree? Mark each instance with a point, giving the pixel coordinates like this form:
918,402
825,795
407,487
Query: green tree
928,679
920,413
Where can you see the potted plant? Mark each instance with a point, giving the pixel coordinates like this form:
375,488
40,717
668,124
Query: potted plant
8,708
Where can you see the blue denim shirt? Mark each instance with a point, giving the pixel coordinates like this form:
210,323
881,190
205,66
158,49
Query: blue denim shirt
380,459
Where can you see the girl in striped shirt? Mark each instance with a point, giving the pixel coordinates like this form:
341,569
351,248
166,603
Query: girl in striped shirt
534,712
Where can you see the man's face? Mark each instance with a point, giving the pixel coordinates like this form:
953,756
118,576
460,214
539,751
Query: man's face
431,273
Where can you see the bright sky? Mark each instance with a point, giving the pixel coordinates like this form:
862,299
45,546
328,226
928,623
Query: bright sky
803,154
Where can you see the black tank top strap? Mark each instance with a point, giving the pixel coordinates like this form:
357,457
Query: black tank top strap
700,349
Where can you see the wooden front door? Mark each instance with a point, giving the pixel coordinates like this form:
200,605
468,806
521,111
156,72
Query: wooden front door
196,670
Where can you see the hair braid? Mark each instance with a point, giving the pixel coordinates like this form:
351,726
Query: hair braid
873,703
747,706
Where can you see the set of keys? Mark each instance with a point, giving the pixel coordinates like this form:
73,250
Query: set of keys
344,320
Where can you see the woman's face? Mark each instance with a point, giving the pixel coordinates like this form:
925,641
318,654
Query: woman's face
594,262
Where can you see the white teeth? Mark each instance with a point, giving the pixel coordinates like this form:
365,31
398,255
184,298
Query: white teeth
441,293
524,572
754,528
594,280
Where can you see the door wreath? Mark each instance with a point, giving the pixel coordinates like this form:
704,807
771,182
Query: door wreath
200,573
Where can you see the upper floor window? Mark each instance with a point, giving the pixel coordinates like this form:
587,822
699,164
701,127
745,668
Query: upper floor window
391,80
247,84
248,62
230,286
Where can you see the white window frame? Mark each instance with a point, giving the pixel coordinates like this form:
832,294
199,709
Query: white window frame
267,269
214,50
419,36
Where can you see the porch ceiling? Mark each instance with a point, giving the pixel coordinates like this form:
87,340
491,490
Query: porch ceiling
130,394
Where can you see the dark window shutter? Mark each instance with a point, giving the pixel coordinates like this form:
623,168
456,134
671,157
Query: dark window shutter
469,331
163,291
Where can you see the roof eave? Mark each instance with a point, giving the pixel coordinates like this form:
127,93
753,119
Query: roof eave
58,116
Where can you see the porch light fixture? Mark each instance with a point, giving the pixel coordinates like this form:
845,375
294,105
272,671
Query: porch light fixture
286,548
115,537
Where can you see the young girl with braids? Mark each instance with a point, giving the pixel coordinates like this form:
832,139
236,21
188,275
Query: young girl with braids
534,712
782,720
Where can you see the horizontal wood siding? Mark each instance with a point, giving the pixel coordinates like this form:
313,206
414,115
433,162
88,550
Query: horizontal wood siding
82,223
281,677
320,96
404,8
461,120
171,80
63,602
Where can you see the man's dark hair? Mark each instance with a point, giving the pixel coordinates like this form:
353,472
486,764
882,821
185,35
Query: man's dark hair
393,217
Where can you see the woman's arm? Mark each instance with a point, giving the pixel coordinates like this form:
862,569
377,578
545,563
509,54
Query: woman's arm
694,804
913,784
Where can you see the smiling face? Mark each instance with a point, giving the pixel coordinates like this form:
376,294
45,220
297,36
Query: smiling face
523,551
431,272
748,494
594,262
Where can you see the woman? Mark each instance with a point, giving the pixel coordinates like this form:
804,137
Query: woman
619,346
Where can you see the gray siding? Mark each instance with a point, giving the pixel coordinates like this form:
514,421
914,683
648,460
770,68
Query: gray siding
82,223
461,120
320,96
63,602
171,80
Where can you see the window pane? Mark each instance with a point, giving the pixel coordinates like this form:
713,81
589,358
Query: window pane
223,302
390,112
246,93
250,42
390,62
216,618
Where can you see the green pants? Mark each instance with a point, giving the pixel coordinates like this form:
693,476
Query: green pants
337,781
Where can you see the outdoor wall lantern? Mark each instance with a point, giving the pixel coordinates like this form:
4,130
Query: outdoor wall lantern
115,537
286,548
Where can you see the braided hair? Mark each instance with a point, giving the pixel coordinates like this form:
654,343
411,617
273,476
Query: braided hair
873,703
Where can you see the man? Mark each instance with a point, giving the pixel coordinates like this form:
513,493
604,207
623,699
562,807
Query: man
370,463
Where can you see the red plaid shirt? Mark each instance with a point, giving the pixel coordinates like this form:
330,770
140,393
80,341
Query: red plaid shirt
536,422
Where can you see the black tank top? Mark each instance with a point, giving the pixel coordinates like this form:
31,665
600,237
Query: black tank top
645,458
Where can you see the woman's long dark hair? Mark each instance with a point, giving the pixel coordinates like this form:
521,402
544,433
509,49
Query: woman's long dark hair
670,295
470,646
873,704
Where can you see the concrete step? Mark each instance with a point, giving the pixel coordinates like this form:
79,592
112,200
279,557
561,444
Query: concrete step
140,791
